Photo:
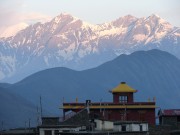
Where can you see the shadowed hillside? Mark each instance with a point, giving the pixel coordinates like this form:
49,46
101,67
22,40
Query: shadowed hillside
153,73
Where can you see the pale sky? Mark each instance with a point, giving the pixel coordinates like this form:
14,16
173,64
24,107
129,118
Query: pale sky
92,11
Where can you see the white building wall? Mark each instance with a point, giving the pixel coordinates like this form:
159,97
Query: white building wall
108,125
98,124
145,127
103,125
42,130
135,127
117,128
132,127
128,127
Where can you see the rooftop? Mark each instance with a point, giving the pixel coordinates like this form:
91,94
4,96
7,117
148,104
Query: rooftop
123,87
170,112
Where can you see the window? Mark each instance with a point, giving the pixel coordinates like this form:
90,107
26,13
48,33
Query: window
123,99
47,132
123,127
178,118
56,132
140,128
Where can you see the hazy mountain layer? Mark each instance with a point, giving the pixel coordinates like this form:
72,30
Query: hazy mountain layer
153,73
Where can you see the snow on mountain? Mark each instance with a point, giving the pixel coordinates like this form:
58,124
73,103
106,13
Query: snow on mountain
13,30
70,42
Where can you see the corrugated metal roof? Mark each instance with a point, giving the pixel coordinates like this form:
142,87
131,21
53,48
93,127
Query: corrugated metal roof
171,112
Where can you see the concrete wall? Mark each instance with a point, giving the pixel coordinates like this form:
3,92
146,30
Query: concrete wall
132,127
108,125
42,130
117,128
103,125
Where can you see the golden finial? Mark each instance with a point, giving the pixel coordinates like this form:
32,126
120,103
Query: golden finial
76,100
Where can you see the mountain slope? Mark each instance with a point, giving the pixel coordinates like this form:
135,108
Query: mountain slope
15,110
70,42
153,73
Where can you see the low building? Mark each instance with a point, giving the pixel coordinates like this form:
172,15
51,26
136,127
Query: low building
130,126
20,131
54,130
169,117
53,126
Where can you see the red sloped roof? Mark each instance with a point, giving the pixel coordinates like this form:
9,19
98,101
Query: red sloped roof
171,112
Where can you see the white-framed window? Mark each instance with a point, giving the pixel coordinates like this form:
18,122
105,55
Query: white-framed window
123,99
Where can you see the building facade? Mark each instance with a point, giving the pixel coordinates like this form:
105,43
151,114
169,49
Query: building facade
122,108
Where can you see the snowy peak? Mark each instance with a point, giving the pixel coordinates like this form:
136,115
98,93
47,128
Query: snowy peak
65,29
154,17
176,32
70,42
124,21
63,23
150,29
64,17
66,23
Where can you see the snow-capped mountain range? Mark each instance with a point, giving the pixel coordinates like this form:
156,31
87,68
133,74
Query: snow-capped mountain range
70,42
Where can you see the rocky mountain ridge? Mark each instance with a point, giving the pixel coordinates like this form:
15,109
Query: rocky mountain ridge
67,41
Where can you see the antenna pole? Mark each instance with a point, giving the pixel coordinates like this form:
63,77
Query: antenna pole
2,126
41,107
40,112
29,123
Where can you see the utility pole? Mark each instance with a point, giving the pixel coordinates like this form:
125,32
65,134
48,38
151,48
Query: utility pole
29,124
38,116
25,127
100,105
41,111
2,124
41,106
